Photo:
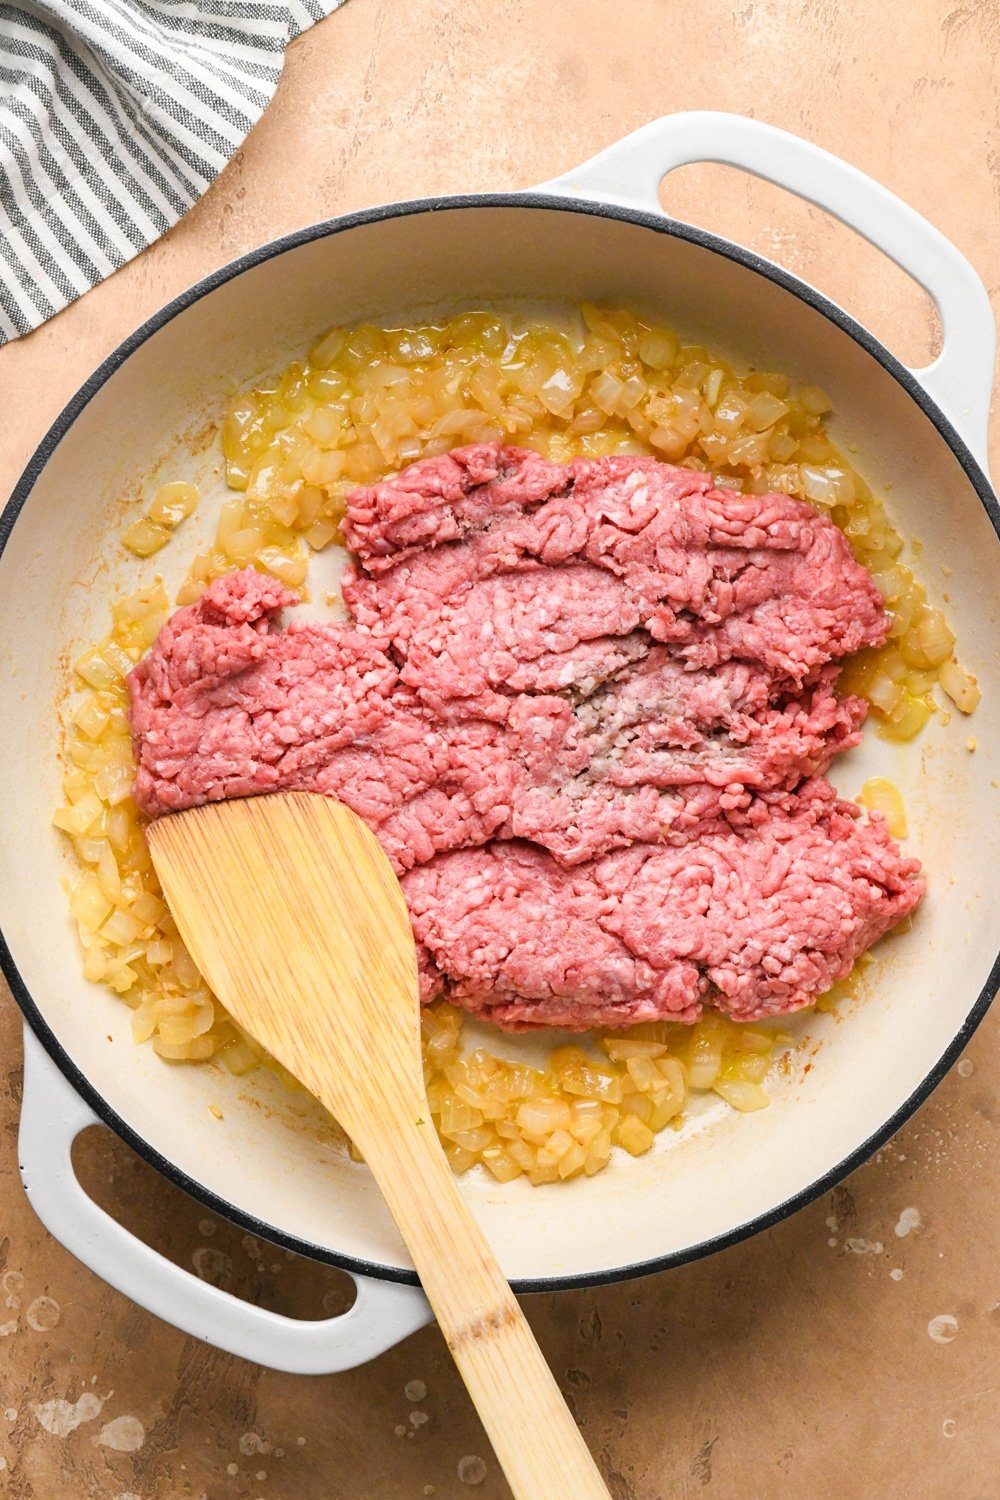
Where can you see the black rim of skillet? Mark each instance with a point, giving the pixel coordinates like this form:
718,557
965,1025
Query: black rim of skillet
660,224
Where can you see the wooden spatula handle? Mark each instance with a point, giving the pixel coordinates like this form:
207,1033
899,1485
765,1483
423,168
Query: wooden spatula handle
528,1422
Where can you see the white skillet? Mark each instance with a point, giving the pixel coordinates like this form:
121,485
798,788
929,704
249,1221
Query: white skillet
597,234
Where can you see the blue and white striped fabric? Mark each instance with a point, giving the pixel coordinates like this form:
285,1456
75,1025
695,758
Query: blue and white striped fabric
115,116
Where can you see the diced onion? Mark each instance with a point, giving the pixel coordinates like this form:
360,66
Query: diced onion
368,400
960,685
145,537
883,796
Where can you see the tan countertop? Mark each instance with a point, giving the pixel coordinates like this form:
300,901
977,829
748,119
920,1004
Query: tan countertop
799,1364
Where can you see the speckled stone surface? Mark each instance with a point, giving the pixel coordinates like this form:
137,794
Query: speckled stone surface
812,1361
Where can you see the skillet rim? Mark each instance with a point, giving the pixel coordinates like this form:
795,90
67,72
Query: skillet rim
657,223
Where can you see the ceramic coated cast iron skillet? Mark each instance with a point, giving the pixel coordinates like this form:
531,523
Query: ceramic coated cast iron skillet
595,234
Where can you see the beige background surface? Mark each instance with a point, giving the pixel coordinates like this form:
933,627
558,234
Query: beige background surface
799,1364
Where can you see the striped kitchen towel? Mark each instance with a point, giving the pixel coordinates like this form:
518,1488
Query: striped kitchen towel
115,116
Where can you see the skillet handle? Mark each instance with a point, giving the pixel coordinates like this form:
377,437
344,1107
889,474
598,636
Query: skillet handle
629,173
52,1116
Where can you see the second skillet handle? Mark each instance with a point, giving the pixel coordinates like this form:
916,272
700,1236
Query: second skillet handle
533,1433
52,1115
630,172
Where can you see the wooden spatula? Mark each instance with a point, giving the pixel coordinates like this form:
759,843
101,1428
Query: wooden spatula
295,917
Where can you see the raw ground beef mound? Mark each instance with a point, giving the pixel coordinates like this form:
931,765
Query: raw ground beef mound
587,709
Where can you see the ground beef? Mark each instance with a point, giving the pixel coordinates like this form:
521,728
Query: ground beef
586,708
756,923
